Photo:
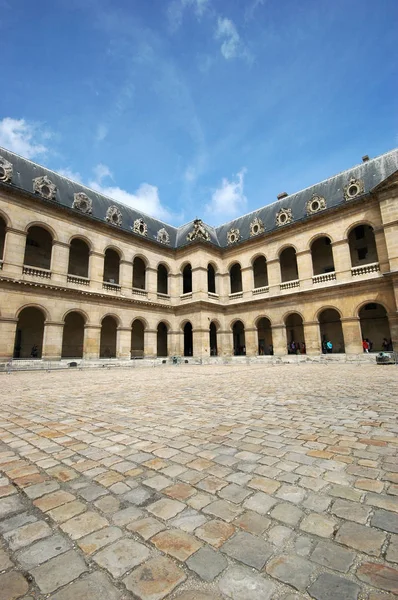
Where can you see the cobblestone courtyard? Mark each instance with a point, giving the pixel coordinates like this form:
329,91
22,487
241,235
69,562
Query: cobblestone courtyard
200,483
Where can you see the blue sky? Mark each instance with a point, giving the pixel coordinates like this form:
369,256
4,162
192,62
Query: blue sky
205,108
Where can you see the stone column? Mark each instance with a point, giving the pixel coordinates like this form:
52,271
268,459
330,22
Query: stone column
305,269
381,247
123,343
247,281
352,335
393,322
175,343
342,260
251,341
224,342
201,343
274,276
96,269
312,337
92,338
14,252
52,340
59,262
279,339
199,283
150,343
125,276
8,327
151,282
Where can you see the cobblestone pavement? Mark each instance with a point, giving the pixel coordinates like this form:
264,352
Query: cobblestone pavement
200,483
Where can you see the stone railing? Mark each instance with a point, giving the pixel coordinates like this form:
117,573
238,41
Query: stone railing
186,296
260,290
236,295
365,269
287,285
163,296
324,277
213,295
111,287
77,280
139,292
35,272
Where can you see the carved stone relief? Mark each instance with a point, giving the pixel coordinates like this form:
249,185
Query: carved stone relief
140,227
45,187
315,204
162,236
354,188
82,203
256,227
5,170
284,216
198,232
114,216
233,236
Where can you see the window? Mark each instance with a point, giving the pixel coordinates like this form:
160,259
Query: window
360,232
362,253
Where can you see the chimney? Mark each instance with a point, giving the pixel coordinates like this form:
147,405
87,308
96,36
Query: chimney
365,158
282,195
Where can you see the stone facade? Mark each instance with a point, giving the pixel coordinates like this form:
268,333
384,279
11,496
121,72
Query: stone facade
74,286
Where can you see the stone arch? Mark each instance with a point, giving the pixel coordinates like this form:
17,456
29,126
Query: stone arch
330,330
162,331
294,324
78,310
352,226
137,348
162,278
43,309
45,226
6,218
79,257
188,338
322,255
362,244
139,272
375,326
288,263
30,332
235,277
186,271
213,332
211,277
108,336
3,233
112,258
38,247
84,238
264,335
73,334
313,239
239,338
260,271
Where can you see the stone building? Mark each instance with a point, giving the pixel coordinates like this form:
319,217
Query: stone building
83,276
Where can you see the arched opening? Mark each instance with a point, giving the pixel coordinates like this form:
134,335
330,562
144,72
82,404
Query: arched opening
362,246
137,339
188,339
288,263
322,256
295,334
211,279
375,327
29,333
238,333
3,226
235,276
73,336
111,266
264,333
79,255
161,340
139,269
260,274
38,248
108,337
163,280
187,279
331,331
213,339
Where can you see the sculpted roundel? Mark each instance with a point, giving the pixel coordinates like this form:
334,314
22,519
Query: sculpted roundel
140,227
256,227
114,216
162,236
355,187
315,204
45,187
284,216
233,236
5,169
83,203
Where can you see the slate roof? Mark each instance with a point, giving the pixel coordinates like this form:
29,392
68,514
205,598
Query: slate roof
372,173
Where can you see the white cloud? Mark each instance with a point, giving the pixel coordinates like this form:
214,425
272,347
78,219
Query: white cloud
232,45
229,199
23,137
101,132
70,174
101,171
250,10
176,10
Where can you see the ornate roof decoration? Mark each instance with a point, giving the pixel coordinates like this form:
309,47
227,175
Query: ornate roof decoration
315,204
284,216
162,236
45,187
198,232
140,227
354,188
83,203
114,216
5,170
256,227
233,236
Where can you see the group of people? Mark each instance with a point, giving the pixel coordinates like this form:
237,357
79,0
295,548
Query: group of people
262,350
327,346
296,348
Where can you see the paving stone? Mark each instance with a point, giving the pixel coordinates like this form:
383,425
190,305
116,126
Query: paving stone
41,551
16,521
249,549
380,501
67,511
53,500
188,520
122,556
260,503
207,563
166,508
252,522
303,545
176,543
287,513
92,492
318,525
379,576
369,485
199,500
223,510
392,550
108,504
13,585
126,516
215,532
58,571
197,595
146,528
293,570
234,493
365,539
345,492
154,580
83,525
386,520
40,489
62,473
119,488
211,484
95,586
180,491
352,511
333,556
5,562
333,587
317,503
27,534
93,542
158,482
291,493
11,505
240,583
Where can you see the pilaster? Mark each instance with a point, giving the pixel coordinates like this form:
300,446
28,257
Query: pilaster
312,337
279,339
274,276
96,270
52,340
123,343
126,276
14,252
92,337
150,343
305,269
59,262
8,327
352,335
342,260
251,341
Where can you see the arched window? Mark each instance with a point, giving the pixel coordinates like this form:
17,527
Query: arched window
38,248
79,255
288,263
2,237
213,339
137,339
375,327
235,276
111,266
187,279
29,333
163,280
188,339
161,340
264,333
238,333
211,279
295,334
322,256
260,274
108,337
139,269
73,336
362,246
331,331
